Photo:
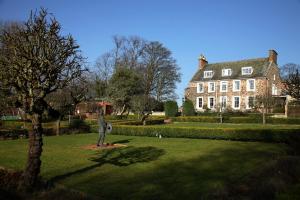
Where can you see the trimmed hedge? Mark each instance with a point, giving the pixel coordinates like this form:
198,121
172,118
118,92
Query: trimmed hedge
188,108
196,119
171,108
243,134
237,120
130,123
13,134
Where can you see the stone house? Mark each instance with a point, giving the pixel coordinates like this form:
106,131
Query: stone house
233,85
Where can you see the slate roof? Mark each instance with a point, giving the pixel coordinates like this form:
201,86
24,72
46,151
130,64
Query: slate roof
260,67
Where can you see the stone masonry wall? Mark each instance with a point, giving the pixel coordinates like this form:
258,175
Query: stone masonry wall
262,84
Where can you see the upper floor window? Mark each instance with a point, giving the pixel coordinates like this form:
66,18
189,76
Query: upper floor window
251,85
247,70
208,74
236,85
274,77
211,86
226,72
223,87
200,87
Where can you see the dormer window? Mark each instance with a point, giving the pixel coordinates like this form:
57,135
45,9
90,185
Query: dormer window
226,72
208,74
247,70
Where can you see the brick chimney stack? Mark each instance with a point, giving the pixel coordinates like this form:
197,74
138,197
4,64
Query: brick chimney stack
202,62
273,56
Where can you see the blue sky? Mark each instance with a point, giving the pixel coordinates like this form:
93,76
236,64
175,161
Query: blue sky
221,30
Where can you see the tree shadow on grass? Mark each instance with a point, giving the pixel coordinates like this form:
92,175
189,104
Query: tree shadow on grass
122,141
235,172
119,157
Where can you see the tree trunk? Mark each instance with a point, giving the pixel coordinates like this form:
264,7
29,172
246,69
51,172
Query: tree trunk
58,126
144,117
123,110
264,116
32,170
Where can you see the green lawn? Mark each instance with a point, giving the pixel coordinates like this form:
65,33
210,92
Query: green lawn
149,168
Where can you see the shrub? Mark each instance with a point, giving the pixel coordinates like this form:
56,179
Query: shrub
171,108
209,119
251,118
273,120
13,133
243,134
188,108
278,110
154,121
79,125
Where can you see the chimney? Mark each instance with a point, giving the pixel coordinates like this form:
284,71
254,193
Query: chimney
202,62
273,56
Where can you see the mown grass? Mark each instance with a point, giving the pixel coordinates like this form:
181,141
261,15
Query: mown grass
152,168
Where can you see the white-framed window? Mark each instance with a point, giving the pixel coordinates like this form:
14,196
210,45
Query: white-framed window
274,77
200,87
223,102
247,70
211,102
250,102
274,89
208,74
223,86
236,85
199,102
236,101
211,86
250,84
226,72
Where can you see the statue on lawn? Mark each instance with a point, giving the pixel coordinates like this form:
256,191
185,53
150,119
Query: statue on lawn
102,128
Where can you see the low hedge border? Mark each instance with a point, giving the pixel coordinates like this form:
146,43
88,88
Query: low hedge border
23,133
13,134
266,135
238,120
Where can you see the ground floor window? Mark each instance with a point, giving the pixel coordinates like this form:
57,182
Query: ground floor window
199,102
251,102
223,101
236,102
211,102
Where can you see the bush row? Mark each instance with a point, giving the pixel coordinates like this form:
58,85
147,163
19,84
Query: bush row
13,134
267,135
238,120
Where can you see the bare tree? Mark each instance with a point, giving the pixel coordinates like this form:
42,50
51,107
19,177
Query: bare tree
104,68
151,61
264,102
36,61
290,74
160,71
127,51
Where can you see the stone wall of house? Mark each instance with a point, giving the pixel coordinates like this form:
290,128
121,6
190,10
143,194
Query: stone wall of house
191,93
262,85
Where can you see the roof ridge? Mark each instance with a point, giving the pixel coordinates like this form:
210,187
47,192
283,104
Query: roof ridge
251,59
